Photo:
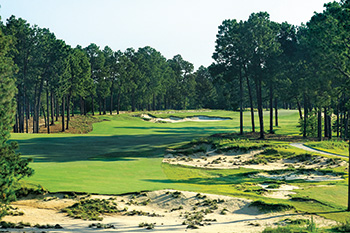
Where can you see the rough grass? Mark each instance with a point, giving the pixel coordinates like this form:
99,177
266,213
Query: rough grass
271,207
78,124
91,209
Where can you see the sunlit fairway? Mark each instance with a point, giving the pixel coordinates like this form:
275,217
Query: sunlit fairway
123,153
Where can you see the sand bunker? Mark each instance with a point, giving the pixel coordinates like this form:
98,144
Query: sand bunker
283,192
211,159
169,212
207,157
178,119
307,176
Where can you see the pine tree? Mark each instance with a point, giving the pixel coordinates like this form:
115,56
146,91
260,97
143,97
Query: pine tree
12,166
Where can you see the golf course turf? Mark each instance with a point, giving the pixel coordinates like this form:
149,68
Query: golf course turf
124,154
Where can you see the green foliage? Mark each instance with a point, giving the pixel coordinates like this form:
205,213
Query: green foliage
101,226
147,225
7,89
343,227
91,209
225,142
12,166
270,207
273,186
334,146
311,125
83,124
296,226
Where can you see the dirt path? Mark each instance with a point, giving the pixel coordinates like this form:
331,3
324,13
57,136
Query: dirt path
302,146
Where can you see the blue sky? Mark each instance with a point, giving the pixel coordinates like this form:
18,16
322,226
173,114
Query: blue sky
186,27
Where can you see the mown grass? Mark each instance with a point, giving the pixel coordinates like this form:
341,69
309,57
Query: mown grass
123,154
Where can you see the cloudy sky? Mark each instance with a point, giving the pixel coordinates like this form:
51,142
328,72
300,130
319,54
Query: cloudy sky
186,27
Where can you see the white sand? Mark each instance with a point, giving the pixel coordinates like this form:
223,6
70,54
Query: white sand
234,160
312,176
239,216
177,119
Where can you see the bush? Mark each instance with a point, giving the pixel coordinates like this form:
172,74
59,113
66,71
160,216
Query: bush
311,125
343,227
91,209
269,207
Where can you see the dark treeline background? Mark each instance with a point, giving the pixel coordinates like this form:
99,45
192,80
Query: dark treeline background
259,64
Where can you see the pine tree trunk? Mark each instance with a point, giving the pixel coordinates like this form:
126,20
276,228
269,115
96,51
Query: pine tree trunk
346,125
305,116
165,105
23,110
329,118
319,124
72,102
276,112
325,122
57,108
299,108
271,109
15,127
44,114
52,109
133,102
38,104
81,106
240,102
27,114
349,182
63,112
337,121
154,102
84,102
48,110
93,105
19,112
251,104
118,103
34,117
342,120
111,107
104,105
68,110
260,108
100,106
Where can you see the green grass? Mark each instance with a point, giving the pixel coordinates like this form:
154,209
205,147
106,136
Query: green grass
124,153
332,146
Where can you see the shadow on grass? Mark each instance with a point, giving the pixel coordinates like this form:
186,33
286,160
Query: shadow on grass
216,179
110,148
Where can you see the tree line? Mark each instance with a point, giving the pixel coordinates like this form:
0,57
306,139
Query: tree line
307,66
257,64
55,80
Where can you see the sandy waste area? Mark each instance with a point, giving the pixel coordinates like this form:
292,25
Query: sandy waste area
234,160
167,210
177,119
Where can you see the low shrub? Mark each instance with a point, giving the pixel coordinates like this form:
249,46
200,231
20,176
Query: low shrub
91,209
343,227
270,207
